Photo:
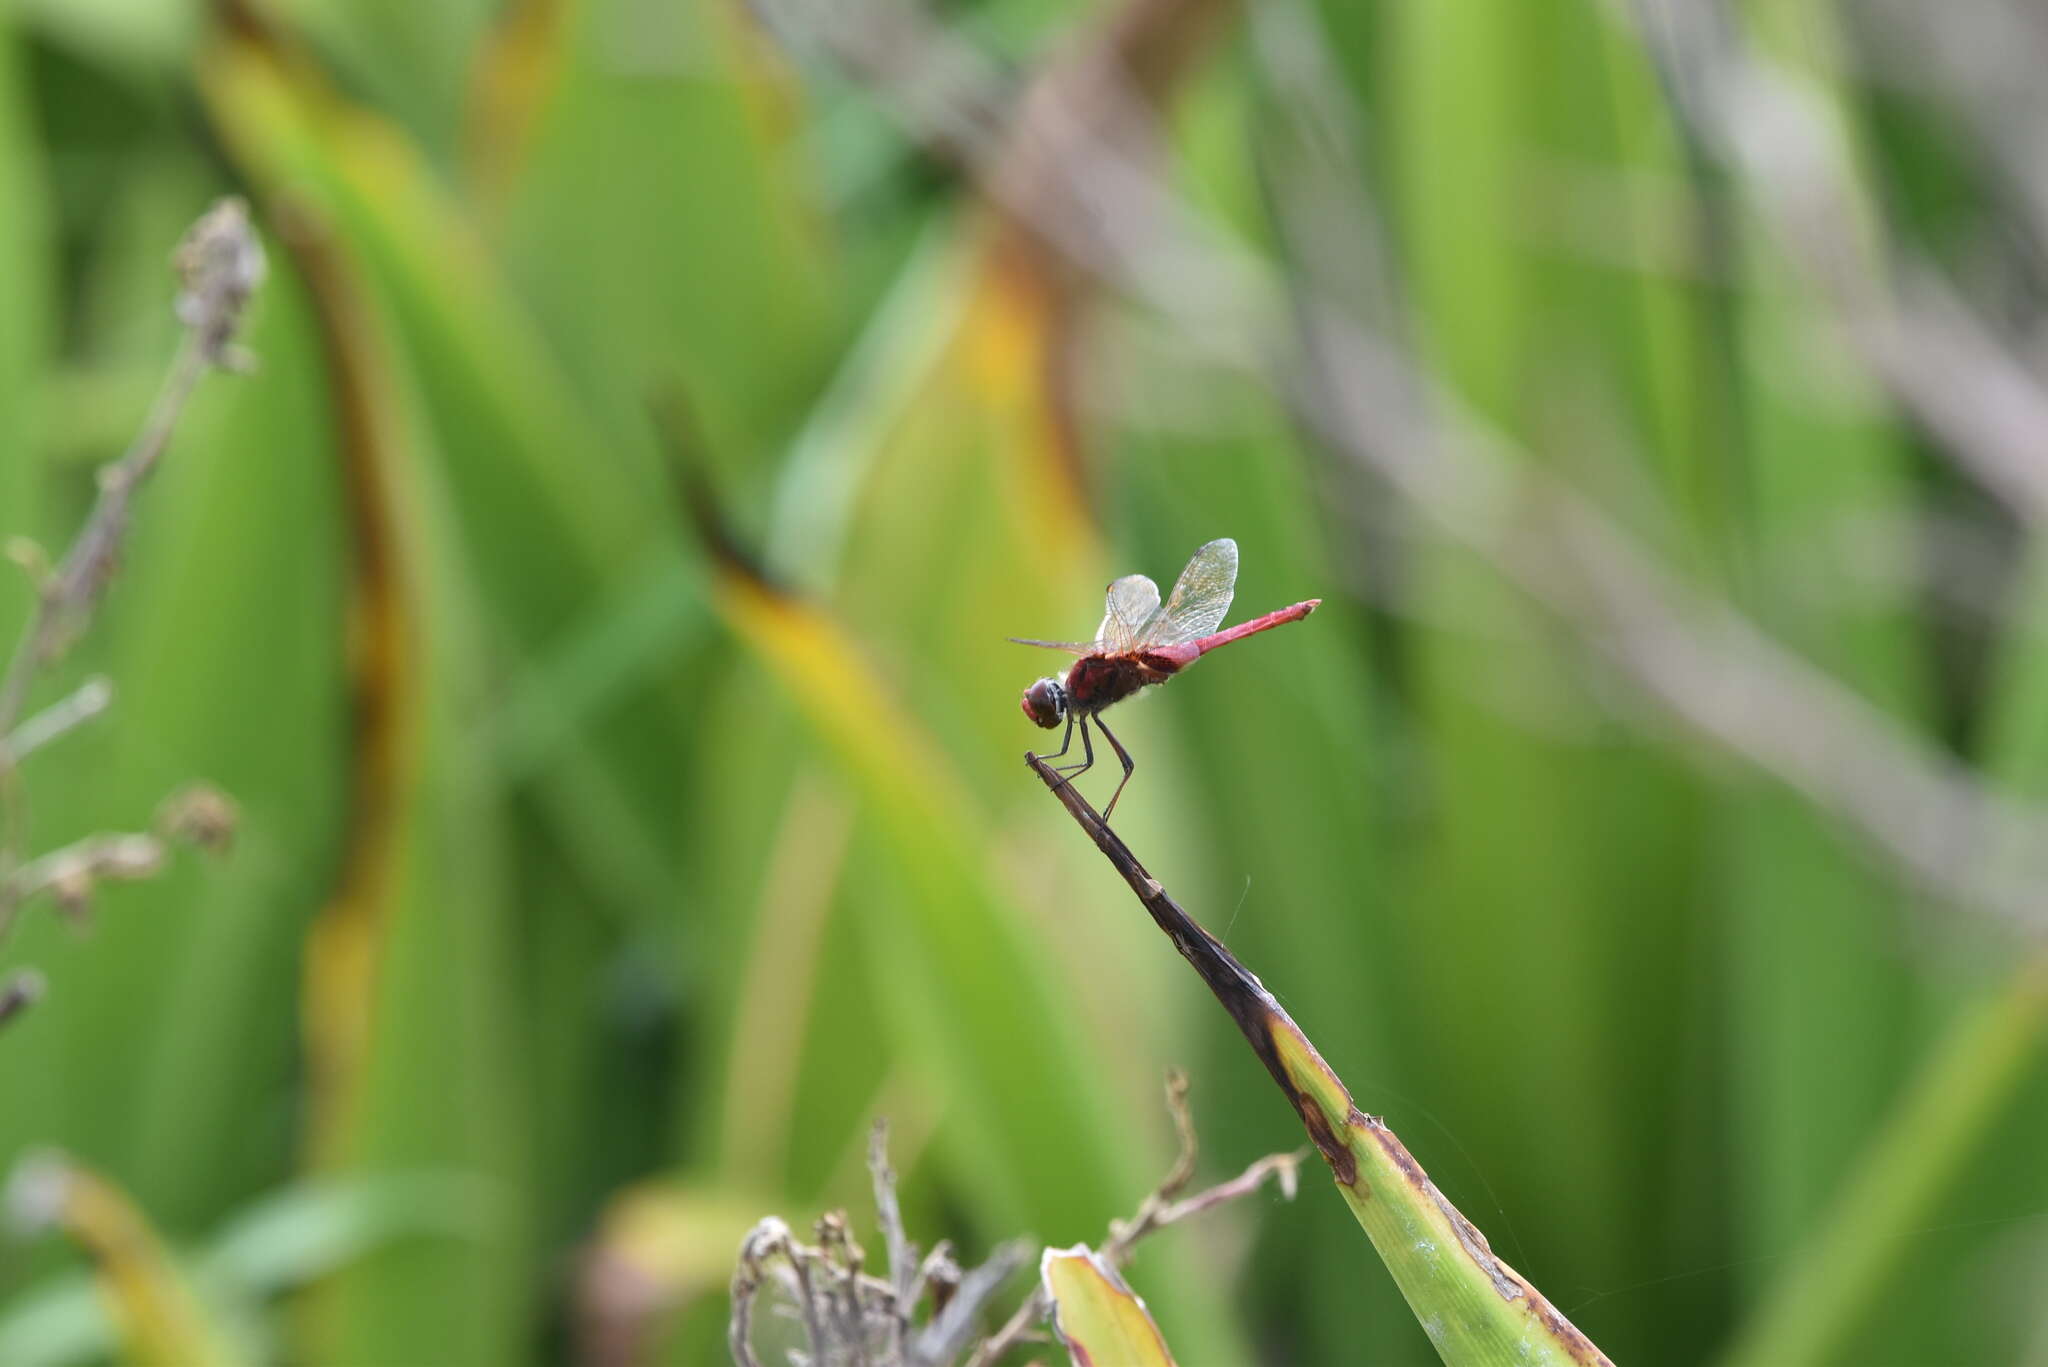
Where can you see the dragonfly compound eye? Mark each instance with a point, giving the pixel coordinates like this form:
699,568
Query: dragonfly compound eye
1045,703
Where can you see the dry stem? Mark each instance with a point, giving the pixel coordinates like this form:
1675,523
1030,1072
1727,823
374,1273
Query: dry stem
852,1317
219,265
1157,1211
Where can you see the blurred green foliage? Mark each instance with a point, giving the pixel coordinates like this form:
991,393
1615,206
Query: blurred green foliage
599,897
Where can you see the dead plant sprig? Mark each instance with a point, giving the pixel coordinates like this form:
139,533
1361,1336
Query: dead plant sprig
1159,1210
852,1318
219,264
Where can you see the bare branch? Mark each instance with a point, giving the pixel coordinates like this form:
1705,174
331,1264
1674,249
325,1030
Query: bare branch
770,1235
950,1328
84,703
73,872
843,1261
1283,1168
1159,1209
903,1258
843,1309
220,262
852,1319
1156,1212
799,1263
939,1274
219,265
74,587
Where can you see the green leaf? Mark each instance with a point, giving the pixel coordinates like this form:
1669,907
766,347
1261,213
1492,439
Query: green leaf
1475,1309
292,1235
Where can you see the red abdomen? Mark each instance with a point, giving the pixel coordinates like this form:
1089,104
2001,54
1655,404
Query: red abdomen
1096,681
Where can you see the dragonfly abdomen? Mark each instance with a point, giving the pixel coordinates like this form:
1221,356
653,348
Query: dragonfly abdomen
1097,681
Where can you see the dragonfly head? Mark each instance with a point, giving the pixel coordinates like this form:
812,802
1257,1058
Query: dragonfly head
1045,702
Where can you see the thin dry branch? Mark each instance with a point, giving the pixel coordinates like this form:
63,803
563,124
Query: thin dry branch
954,1322
219,265
1162,1207
1157,1211
904,1266
851,1317
62,717
70,872
68,596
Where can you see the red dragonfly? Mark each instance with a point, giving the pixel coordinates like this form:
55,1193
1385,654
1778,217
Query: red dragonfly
1140,643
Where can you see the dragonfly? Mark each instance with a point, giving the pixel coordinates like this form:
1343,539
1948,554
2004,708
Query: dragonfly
1142,642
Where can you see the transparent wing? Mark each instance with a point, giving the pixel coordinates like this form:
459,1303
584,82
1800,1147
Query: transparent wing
1071,647
1132,604
1200,597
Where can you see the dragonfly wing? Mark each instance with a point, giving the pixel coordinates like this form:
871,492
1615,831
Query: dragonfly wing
1071,647
1132,604
1200,597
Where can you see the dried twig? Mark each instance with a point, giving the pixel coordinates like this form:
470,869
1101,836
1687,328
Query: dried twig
854,1319
747,1278
219,264
1160,1209
67,714
948,1333
850,1318
71,871
1157,1211
904,1270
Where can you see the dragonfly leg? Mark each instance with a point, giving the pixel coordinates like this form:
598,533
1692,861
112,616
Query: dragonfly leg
1066,741
1074,771
1121,754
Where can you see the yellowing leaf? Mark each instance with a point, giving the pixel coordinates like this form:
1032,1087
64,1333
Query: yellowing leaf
1102,1321
161,1323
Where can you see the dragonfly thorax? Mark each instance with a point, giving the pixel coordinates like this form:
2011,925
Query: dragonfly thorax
1045,702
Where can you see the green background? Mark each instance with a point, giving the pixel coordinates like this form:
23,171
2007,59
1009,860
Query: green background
590,901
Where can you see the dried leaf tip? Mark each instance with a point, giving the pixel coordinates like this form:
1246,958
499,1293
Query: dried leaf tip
219,264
